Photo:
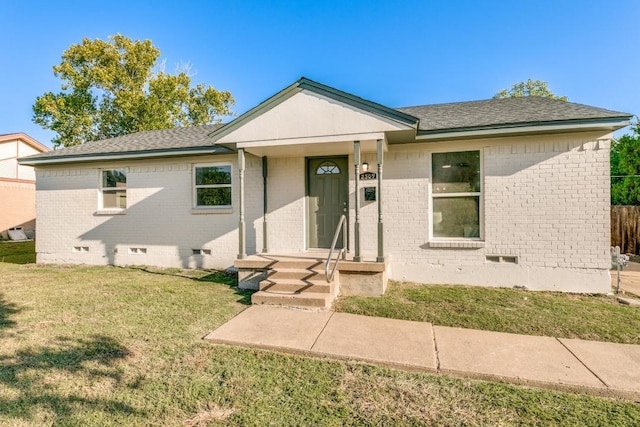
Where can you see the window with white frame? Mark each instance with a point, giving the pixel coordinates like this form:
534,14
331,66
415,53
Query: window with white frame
212,185
456,192
113,189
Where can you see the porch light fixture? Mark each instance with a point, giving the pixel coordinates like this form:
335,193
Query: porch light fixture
365,166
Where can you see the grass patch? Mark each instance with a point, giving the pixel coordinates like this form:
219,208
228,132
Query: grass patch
555,314
107,346
18,252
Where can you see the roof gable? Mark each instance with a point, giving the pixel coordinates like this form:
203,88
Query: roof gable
21,136
308,109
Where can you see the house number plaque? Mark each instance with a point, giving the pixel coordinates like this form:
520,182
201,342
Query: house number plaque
367,176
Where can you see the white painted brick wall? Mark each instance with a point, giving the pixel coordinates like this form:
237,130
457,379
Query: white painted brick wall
286,204
549,203
158,217
546,202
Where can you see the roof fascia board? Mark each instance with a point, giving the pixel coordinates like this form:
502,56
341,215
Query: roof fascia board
314,140
355,101
119,156
306,84
612,124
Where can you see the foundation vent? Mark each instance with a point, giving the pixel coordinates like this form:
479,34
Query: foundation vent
501,259
202,251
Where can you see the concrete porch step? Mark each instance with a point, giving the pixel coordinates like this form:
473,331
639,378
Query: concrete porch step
298,279
278,273
303,300
309,264
296,286
267,262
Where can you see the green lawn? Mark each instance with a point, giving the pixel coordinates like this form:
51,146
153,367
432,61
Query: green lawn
100,346
18,252
599,318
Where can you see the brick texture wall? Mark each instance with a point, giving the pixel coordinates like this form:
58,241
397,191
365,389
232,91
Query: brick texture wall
545,211
286,204
546,207
159,217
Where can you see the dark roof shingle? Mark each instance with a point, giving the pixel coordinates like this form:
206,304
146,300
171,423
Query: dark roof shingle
452,117
502,112
145,141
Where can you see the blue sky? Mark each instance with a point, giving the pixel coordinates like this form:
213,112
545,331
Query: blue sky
397,53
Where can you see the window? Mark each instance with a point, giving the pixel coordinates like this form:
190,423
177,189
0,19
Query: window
212,185
113,186
327,168
456,190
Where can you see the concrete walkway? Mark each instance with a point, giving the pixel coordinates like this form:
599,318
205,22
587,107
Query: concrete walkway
566,364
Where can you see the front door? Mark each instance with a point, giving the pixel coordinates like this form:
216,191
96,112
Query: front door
328,191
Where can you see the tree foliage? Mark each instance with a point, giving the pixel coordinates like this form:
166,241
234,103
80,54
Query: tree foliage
625,168
529,88
112,88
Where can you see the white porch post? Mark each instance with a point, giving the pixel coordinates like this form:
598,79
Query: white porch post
242,252
356,227
380,152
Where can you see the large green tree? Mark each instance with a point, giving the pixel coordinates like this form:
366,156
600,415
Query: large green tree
625,168
529,88
112,88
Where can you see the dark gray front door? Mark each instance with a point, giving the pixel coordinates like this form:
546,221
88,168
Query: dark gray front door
328,191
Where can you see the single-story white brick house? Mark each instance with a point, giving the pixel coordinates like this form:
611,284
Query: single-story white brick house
499,192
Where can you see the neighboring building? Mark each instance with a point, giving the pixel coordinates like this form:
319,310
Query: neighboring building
17,183
501,192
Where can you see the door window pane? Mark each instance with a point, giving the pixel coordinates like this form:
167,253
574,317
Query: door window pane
327,168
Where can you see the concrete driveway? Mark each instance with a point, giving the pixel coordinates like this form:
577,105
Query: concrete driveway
629,279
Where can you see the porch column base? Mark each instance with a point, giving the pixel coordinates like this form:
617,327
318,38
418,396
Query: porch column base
242,254
356,233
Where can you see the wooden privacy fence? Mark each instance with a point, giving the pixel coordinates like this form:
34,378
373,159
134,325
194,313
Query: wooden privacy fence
625,228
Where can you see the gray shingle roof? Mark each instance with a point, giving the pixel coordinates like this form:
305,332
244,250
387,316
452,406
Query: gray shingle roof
504,112
146,141
436,118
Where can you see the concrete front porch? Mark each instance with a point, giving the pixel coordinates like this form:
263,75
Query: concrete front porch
299,280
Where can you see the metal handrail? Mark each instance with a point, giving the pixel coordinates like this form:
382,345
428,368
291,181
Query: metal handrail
342,225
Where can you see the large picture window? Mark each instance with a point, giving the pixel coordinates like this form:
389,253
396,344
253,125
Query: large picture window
456,192
212,185
113,186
